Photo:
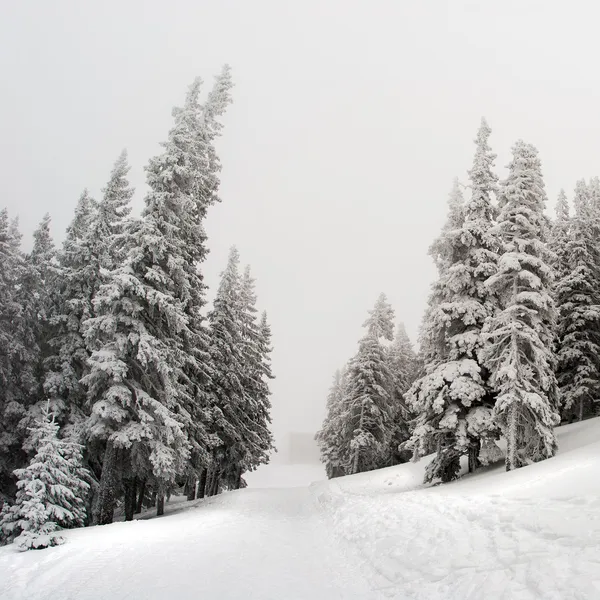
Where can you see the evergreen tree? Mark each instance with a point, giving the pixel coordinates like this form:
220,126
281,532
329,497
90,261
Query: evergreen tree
19,353
453,400
578,300
256,337
403,369
51,491
229,396
520,338
76,284
140,385
329,437
368,410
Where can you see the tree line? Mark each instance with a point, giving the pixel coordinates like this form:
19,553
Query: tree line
509,342
116,383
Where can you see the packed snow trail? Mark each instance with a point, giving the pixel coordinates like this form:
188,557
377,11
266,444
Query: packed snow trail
532,534
252,544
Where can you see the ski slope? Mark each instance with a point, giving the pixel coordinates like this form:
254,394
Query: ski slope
530,534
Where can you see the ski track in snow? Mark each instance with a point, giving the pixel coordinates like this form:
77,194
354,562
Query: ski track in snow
427,545
533,534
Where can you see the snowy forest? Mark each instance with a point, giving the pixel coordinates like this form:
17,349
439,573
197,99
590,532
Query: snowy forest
509,344
118,382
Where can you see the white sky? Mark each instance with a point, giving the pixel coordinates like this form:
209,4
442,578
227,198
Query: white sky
350,120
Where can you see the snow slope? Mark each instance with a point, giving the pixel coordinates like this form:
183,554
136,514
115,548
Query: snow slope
530,534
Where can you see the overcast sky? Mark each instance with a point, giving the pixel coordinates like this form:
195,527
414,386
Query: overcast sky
350,120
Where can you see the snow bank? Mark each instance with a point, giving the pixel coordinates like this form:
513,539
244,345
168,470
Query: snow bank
529,534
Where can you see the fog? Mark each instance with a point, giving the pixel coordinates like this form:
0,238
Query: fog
350,120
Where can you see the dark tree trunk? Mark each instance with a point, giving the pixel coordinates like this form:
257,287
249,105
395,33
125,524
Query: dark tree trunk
512,449
191,487
107,494
213,483
202,484
130,486
140,500
474,455
160,503
216,482
238,479
581,409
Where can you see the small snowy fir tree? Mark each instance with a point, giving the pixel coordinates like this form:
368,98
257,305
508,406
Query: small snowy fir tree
329,437
453,400
51,491
578,299
368,411
519,351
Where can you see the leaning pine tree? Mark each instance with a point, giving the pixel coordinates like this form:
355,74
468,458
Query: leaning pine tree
140,386
519,351
578,300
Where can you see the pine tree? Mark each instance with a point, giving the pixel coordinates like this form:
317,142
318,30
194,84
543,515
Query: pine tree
368,410
402,363
51,491
453,400
329,437
256,337
19,353
578,299
76,286
145,370
230,401
520,338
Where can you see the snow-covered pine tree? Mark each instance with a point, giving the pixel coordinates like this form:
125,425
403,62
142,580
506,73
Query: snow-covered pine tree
51,491
518,352
329,437
140,380
37,294
368,411
229,396
577,294
453,400
76,285
204,183
19,353
256,339
402,362
559,237
432,345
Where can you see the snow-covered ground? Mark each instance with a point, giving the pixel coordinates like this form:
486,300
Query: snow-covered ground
531,534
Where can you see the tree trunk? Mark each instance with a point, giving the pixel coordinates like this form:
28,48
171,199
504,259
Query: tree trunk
214,484
202,483
581,409
474,455
191,487
130,489
238,479
511,438
160,503
108,486
355,462
140,500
